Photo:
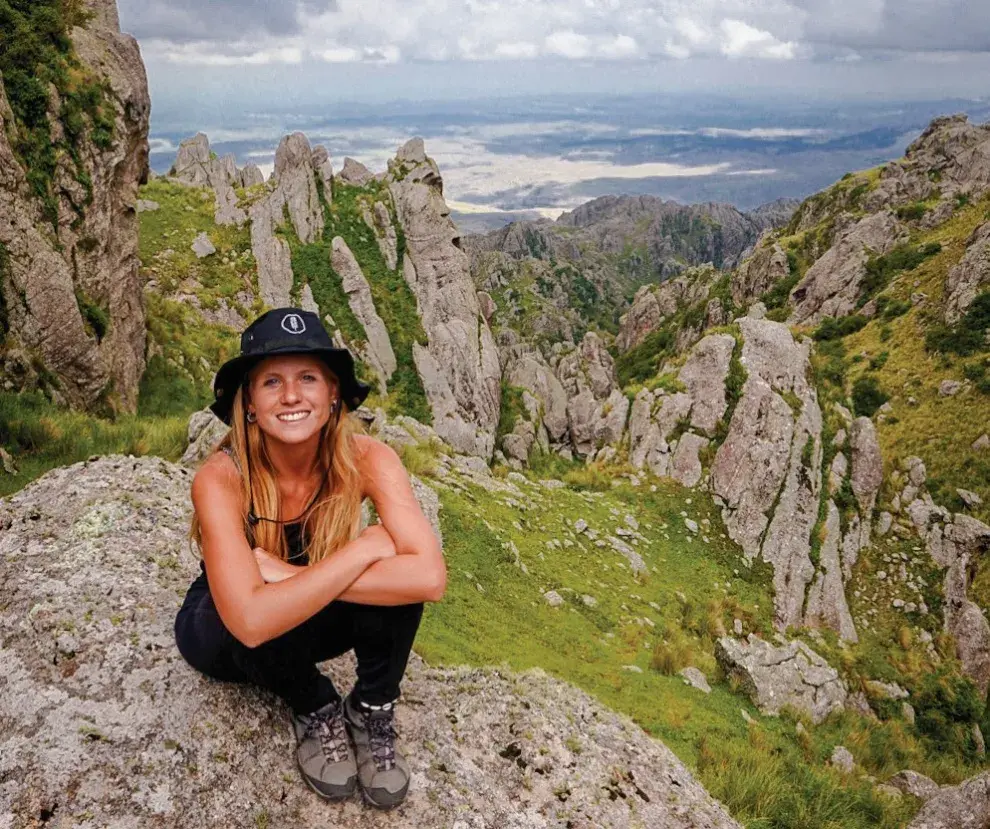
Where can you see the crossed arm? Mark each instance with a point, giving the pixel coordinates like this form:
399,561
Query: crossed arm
417,572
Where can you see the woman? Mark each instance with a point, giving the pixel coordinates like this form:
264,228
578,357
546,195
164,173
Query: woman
288,580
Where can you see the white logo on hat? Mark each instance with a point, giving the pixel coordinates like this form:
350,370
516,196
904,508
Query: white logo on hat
294,324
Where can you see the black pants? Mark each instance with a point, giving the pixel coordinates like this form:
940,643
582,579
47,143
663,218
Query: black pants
381,638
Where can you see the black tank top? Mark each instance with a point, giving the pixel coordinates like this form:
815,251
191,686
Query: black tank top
293,539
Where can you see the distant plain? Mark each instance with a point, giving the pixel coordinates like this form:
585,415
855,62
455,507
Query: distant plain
509,158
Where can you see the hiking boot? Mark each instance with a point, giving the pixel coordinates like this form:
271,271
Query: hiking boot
324,753
383,773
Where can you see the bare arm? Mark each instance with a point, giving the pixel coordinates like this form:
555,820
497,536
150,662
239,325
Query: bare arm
417,573
252,610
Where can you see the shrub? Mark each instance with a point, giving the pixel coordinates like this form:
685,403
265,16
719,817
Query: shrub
867,396
970,333
833,329
911,212
947,705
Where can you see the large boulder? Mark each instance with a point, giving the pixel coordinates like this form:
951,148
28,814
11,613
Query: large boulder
789,675
755,276
596,407
378,351
103,718
90,250
966,806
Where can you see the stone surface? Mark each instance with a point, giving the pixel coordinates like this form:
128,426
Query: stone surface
459,368
703,376
203,247
48,262
966,806
832,285
767,472
355,173
827,605
596,407
777,676
205,431
914,784
842,759
378,350
970,276
758,274
88,659
696,679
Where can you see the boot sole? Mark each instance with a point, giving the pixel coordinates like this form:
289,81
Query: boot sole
381,806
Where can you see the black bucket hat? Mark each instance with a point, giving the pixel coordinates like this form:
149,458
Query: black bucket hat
285,331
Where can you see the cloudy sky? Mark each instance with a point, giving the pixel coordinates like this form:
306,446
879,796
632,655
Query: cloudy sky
375,49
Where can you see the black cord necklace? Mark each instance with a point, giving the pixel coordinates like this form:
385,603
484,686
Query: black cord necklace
254,520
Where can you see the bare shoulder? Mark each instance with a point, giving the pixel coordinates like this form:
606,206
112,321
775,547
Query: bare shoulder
218,476
380,465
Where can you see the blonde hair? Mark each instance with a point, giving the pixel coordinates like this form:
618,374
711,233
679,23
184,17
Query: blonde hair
335,517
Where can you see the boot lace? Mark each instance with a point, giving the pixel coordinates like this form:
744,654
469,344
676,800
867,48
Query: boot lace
328,725
381,737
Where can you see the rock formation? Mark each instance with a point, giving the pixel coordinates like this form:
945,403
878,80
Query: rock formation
378,351
773,677
970,276
197,165
767,472
459,369
91,258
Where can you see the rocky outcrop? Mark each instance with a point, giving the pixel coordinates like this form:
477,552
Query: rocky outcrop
543,397
197,165
703,376
970,276
378,350
652,305
789,675
380,221
966,806
755,276
294,192
596,407
460,368
295,186
355,173
91,251
827,605
88,659
951,156
767,472
832,286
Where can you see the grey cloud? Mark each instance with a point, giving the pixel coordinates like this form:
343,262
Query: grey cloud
898,25
182,21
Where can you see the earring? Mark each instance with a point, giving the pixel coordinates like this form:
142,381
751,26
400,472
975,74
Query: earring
251,417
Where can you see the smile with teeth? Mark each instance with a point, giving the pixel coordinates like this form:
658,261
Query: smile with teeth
292,416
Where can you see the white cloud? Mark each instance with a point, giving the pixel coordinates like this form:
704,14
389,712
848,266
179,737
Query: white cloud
568,44
740,40
336,31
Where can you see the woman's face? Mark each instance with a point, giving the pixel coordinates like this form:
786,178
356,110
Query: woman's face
292,397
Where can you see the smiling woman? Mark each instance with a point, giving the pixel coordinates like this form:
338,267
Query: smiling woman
288,579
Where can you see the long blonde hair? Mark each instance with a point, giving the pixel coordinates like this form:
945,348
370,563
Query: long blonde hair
335,517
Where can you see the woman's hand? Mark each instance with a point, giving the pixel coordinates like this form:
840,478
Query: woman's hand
274,569
377,542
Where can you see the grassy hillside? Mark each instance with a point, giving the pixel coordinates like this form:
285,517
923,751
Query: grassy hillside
505,552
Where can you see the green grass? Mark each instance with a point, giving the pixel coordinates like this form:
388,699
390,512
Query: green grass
767,774
40,436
